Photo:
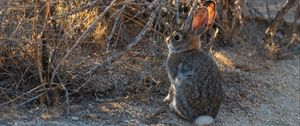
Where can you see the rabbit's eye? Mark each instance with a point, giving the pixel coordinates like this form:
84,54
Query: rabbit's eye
177,37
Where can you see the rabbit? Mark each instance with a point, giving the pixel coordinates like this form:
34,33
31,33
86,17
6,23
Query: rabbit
196,90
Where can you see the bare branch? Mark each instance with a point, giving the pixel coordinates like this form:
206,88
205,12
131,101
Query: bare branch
136,40
83,36
272,50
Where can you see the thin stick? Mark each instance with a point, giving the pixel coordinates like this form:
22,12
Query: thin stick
268,9
77,10
31,99
136,40
30,91
272,50
67,94
295,36
83,36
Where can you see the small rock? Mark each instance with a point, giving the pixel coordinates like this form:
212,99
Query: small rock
46,115
75,118
93,116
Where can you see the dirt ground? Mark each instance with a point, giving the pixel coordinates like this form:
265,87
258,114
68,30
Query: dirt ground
259,92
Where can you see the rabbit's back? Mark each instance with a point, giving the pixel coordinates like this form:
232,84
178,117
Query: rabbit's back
197,83
195,60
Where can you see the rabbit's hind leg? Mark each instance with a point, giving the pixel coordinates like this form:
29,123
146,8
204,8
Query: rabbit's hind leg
184,107
180,104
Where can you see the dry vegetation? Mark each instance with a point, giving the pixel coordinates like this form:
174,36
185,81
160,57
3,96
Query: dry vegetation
59,53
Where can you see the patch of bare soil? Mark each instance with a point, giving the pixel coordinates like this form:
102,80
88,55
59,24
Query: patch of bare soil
265,96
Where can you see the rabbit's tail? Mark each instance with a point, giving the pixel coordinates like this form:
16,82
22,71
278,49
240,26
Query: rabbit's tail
204,120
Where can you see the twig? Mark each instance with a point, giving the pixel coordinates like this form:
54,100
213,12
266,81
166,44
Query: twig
115,56
191,12
117,19
30,91
272,50
90,5
268,9
83,36
109,100
4,93
237,19
36,40
67,94
31,99
294,34
177,11
135,42
23,75
19,25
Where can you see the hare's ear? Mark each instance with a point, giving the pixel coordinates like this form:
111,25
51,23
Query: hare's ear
204,18
211,7
200,19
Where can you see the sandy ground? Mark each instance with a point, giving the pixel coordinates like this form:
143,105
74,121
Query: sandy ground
271,99
268,94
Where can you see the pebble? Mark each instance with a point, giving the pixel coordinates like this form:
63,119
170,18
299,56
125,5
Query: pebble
93,116
75,118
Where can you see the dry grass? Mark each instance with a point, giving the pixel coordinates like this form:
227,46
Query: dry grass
225,60
53,48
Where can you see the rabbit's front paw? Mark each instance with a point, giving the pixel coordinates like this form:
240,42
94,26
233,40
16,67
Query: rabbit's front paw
167,99
170,95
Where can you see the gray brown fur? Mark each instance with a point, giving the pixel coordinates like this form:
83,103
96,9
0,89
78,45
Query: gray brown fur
195,79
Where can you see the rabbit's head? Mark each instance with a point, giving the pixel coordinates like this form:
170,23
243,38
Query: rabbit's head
187,36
